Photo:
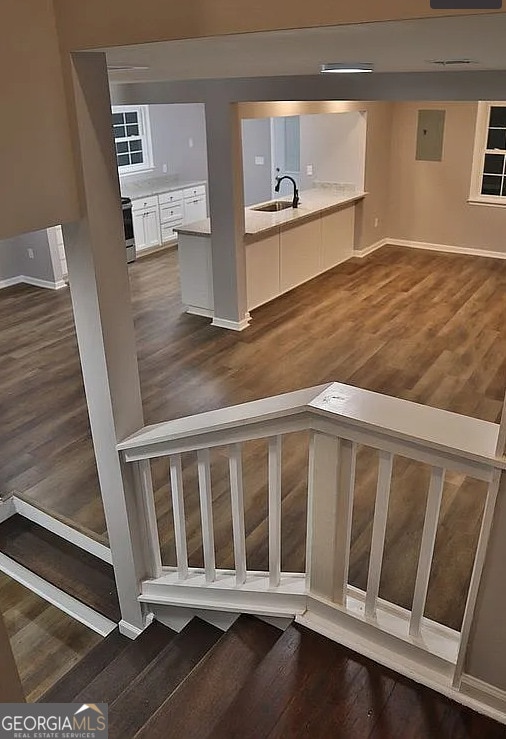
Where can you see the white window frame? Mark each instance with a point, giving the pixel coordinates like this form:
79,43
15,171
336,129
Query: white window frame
480,149
144,134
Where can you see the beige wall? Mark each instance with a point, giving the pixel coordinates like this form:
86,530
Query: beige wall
37,186
428,200
95,23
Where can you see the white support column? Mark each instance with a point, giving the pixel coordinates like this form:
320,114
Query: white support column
226,205
98,275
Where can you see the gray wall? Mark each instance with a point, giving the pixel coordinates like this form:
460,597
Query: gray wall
14,259
256,141
172,127
334,144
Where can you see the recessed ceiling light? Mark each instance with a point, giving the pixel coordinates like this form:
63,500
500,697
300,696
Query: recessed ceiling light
123,67
450,62
346,68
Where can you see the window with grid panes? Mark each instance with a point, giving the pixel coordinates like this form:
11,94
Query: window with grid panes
132,138
494,177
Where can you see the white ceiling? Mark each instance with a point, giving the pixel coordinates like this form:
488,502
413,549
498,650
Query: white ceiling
401,46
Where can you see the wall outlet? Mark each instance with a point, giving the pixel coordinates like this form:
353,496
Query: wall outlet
309,169
31,255
376,222
190,143
259,160
164,169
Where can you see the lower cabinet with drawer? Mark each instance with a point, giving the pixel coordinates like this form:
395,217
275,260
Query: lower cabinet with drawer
146,223
156,216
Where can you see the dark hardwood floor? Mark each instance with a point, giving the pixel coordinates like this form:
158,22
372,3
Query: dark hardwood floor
421,326
45,641
257,682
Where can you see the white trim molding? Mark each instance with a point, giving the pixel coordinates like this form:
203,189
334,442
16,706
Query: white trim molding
361,253
75,537
7,508
49,592
131,631
232,325
445,248
432,673
35,281
484,693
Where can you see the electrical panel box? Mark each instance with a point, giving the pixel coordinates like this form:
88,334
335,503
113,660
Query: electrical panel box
430,134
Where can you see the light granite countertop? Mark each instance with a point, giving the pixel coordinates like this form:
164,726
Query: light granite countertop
142,187
312,202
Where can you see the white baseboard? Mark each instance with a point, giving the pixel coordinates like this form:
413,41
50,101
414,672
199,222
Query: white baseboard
232,325
23,279
361,253
447,248
484,692
61,529
426,246
204,312
43,283
7,508
131,631
49,592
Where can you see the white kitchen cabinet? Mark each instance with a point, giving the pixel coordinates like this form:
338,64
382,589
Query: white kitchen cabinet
338,235
195,208
299,254
196,273
262,271
146,223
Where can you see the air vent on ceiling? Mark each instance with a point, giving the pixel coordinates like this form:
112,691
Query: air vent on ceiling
451,62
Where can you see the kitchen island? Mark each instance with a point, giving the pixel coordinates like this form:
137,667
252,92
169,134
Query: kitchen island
283,249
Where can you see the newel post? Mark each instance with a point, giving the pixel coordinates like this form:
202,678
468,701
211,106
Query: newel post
331,483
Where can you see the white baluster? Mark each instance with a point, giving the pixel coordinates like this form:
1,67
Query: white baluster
378,531
176,485
206,513
274,511
344,517
237,500
150,538
434,497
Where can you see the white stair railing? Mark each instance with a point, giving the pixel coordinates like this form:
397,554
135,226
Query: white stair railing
339,418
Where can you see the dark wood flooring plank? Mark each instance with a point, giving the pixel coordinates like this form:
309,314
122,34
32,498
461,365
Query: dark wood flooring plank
417,325
200,701
134,707
123,669
75,571
66,689
46,642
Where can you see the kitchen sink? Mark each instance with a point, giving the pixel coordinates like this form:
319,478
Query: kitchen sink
274,206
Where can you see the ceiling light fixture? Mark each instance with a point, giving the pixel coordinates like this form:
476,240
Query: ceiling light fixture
123,67
346,68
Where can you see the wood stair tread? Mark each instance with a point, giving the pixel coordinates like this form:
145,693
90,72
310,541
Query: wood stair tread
92,664
199,702
129,663
136,704
76,572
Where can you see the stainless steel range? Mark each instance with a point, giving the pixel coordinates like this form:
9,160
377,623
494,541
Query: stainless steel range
128,225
